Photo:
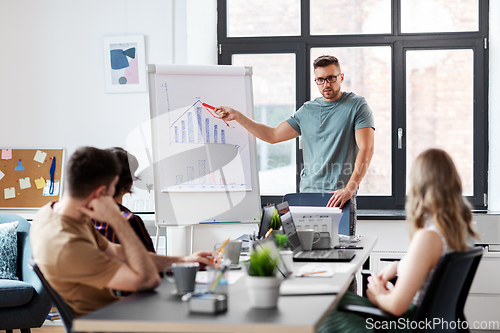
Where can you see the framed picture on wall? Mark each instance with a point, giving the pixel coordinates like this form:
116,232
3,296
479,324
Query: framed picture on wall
124,63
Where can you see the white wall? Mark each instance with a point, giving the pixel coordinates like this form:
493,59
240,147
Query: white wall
52,90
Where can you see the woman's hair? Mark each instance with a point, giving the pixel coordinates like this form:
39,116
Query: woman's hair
436,194
128,167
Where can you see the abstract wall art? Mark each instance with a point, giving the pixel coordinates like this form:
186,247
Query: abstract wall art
124,63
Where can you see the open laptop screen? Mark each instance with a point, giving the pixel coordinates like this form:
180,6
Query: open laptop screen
265,221
288,225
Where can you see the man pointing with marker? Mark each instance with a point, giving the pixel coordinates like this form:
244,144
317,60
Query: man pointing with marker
337,132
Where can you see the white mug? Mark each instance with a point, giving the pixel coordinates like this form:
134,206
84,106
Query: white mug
231,250
306,237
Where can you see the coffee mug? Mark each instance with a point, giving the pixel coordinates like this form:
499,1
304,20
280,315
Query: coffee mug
184,276
306,237
231,250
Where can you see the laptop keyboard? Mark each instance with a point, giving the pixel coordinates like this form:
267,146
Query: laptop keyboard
315,254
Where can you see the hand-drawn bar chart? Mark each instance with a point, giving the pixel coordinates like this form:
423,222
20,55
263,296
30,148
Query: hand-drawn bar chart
206,130
205,151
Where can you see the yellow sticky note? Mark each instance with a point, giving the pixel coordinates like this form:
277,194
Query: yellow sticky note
40,183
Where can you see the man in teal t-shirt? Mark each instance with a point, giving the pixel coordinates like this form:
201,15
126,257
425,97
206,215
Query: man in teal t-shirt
337,136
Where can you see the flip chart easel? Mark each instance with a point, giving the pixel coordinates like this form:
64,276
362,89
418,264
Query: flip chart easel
204,169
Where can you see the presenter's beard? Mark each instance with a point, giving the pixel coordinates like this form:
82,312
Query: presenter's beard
329,93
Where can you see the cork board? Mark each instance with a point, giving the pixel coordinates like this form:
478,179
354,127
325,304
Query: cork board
25,177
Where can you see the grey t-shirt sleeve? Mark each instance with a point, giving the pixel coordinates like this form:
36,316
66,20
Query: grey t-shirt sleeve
364,116
294,120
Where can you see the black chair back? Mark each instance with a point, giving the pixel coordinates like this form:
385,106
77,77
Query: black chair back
447,292
63,309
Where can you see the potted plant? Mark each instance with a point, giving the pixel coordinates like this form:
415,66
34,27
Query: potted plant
286,254
275,221
262,283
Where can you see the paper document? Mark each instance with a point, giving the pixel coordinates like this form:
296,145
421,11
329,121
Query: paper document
323,269
231,276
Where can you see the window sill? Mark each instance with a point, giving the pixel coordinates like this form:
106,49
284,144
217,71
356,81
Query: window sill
381,214
394,214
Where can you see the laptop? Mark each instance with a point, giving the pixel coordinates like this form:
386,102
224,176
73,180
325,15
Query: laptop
265,221
315,255
265,225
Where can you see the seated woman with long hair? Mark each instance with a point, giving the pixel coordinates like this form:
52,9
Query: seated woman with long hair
440,221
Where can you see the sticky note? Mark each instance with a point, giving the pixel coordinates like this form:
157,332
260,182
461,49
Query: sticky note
24,183
40,183
2,175
9,193
6,154
40,156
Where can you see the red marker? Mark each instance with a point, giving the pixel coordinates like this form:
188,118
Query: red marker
208,106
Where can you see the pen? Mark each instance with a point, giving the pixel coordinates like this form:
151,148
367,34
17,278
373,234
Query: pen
215,222
268,232
311,273
218,275
220,248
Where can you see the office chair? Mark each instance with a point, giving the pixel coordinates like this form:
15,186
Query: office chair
445,296
63,309
320,200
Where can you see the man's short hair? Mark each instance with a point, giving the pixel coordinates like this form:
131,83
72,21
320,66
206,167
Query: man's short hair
88,168
326,60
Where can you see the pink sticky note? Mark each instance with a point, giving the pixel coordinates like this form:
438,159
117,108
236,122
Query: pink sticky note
6,154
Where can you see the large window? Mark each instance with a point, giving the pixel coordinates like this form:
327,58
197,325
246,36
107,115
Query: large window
421,65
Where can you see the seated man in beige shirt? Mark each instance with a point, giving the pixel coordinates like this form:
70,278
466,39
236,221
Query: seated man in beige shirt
78,262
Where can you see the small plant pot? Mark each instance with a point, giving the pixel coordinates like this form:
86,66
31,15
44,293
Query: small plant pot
263,291
276,232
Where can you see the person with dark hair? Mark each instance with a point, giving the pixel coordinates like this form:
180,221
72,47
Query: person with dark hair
78,262
338,136
128,167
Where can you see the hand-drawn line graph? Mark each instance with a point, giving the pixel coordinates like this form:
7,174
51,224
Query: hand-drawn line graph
204,149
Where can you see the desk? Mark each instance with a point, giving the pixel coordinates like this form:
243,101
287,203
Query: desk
160,311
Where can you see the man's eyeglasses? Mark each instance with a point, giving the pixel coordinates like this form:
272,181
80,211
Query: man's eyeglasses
331,79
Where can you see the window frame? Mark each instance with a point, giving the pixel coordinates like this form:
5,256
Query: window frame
399,43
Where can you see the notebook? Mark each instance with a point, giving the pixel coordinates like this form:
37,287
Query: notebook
315,255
